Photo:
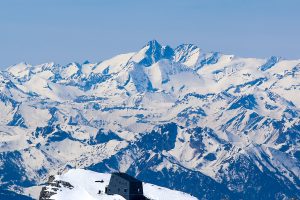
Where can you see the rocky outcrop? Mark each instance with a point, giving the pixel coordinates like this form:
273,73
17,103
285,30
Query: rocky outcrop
51,188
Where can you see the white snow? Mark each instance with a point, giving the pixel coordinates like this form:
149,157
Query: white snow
85,187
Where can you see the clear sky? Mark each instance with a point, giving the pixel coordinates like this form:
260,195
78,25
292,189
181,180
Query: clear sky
38,31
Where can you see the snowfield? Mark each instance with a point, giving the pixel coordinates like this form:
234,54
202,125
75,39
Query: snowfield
86,187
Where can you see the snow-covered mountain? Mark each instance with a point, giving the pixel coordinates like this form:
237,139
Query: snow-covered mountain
88,185
205,123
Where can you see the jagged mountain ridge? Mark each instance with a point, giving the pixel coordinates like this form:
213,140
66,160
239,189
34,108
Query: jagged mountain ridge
225,122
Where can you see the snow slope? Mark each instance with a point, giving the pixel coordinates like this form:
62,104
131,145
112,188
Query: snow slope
85,187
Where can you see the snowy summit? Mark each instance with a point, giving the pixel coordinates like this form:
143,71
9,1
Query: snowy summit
88,185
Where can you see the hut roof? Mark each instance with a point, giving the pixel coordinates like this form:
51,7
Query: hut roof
126,177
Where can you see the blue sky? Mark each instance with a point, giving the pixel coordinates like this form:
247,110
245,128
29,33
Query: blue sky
38,31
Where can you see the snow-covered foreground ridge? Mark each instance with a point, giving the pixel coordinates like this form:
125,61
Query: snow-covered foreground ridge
85,185
209,124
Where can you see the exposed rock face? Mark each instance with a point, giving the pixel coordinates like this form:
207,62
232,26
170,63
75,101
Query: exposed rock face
51,188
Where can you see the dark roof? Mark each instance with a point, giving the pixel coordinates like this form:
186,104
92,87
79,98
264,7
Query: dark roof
126,177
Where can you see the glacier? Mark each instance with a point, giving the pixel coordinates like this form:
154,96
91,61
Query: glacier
205,123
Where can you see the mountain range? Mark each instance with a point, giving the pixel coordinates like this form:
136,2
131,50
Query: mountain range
212,125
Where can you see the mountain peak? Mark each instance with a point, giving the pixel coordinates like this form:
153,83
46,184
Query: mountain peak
187,54
20,69
152,53
86,62
187,47
153,44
